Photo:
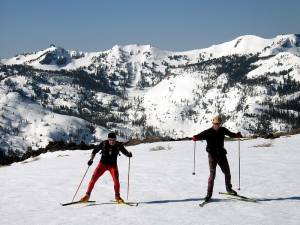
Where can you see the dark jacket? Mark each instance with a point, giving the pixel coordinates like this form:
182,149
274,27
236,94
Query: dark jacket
215,140
109,154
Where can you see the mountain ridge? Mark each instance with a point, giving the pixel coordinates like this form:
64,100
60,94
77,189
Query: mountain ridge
140,90
239,44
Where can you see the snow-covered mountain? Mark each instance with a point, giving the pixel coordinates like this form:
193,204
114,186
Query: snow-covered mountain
57,58
140,90
168,192
27,125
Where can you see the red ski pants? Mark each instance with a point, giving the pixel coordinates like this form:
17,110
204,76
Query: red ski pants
101,168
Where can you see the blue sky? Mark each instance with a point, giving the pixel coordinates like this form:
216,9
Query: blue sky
96,25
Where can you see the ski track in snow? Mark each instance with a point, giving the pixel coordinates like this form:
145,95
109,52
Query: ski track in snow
162,182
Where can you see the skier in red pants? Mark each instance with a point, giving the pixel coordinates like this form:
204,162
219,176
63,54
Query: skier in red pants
214,137
110,150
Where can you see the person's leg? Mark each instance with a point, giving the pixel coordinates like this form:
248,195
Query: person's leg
212,160
115,176
223,163
101,168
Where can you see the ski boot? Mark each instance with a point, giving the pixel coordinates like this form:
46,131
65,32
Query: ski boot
208,197
119,200
231,191
85,198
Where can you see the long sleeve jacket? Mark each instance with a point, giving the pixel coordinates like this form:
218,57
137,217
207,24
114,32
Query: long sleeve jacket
215,140
109,153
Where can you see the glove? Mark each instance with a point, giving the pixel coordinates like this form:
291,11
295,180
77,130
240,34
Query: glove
129,155
194,138
90,162
239,135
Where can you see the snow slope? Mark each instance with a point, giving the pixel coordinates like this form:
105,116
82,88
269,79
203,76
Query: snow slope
161,179
24,124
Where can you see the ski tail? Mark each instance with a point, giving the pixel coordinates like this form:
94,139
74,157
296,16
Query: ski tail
76,202
238,196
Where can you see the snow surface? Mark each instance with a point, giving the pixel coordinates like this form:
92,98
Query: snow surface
36,126
282,61
161,180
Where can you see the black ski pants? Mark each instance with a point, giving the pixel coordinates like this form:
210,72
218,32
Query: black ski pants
222,161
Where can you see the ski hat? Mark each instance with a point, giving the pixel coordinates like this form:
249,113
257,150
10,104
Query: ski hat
216,119
112,135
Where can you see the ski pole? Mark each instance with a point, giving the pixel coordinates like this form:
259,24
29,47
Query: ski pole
194,157
128,178
239,147
81,182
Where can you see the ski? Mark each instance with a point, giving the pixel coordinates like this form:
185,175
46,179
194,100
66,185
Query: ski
126,203
101,203
76,202
238,197
113,203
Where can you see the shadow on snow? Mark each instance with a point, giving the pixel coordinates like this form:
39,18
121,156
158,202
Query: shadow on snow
294,198
183,200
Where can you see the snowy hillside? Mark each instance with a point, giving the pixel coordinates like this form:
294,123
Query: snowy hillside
25,124
140,90
168,192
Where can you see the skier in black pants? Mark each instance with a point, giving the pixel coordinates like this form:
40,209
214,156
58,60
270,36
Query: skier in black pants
214,137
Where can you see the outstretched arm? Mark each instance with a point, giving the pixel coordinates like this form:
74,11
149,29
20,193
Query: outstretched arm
233,135
238,135
200,136
124,151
